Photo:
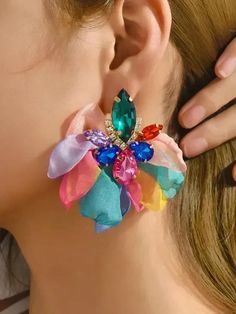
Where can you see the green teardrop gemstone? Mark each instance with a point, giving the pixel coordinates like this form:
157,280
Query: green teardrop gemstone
124,115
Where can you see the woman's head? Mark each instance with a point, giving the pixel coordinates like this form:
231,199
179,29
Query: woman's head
50,68
57,56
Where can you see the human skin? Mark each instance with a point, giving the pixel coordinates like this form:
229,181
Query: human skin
207,102
47,75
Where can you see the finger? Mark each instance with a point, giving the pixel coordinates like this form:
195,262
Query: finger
226,64
210,134
208,101
234,172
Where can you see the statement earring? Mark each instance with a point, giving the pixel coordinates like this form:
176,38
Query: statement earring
108,172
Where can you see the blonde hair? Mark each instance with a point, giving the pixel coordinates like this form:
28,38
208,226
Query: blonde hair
203,216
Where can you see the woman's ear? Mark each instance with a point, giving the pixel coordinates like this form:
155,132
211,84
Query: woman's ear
142,31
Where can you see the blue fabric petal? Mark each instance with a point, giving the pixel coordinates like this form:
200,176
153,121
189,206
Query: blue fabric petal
102,202
169,180
125,202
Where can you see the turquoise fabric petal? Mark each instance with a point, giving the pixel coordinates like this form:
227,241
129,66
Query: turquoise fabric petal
125,205
102,202
169,180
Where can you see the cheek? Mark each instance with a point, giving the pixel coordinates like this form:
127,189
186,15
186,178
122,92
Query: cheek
36,106
36,109
24,141
31,124
19,23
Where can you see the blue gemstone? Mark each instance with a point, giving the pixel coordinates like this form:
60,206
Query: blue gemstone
106,156
142,151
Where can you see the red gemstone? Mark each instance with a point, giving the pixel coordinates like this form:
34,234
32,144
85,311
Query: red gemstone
151,131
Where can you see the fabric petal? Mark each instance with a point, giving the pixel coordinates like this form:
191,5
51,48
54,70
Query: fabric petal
102,228
89,117
170,181
125,205
102,202
79,180
153,196
135,194
167,153
125,202
67,154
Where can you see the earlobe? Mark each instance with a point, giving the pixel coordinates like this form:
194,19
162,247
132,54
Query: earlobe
142,34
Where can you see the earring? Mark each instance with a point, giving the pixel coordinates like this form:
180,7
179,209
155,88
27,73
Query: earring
108,172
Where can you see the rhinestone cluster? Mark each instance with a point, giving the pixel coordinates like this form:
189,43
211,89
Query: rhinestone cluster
123,145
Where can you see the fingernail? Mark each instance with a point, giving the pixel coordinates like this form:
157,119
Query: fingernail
195,147
227,67
194,115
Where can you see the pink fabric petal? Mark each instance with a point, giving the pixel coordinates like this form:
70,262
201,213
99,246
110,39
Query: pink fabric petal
79,181
167,153
134,192
89,117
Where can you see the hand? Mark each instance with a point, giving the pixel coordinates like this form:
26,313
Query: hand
213,97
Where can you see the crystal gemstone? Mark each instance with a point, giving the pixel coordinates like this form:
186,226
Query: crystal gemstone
97,137
106,156
124,116
151,132
142,151
125,167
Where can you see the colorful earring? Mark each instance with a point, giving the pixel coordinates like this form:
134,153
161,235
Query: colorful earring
109,172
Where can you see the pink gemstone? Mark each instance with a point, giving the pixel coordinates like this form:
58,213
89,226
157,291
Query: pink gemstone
125,167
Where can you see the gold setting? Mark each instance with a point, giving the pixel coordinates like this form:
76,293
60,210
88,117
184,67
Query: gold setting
136,131
115,135
117,99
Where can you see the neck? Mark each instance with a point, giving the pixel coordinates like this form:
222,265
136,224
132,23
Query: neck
129,269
